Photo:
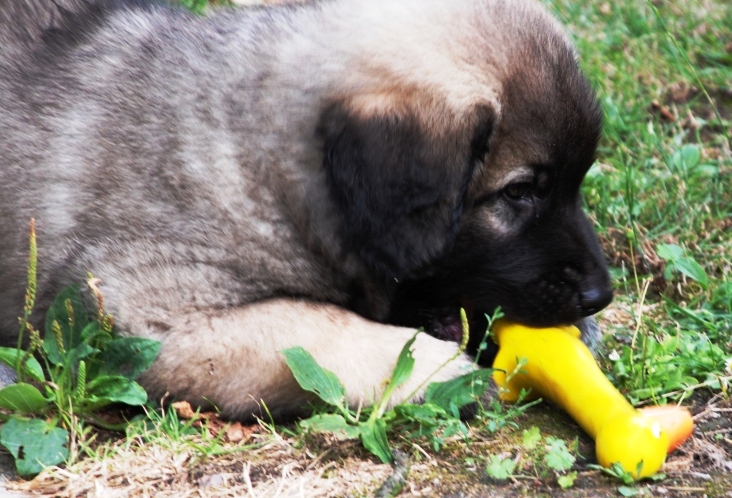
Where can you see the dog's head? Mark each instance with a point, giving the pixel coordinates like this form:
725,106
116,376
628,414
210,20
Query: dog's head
462,182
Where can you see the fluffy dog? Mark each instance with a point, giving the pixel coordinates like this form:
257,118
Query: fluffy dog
328,175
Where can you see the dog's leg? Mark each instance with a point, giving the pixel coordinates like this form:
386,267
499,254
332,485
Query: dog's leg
231,358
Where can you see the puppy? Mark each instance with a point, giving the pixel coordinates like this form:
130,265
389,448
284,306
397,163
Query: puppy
329,175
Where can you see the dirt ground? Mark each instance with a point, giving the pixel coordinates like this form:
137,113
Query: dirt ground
318,466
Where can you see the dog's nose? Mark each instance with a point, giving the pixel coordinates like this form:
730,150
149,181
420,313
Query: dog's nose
593,300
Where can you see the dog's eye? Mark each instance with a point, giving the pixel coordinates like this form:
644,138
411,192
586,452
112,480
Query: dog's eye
518,191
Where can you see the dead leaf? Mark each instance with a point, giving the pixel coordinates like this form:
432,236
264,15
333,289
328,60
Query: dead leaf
184,410
237,432
664,111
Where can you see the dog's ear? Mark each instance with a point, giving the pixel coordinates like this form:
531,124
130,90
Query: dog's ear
399,179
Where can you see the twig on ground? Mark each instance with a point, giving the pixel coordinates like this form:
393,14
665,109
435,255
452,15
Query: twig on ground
396,481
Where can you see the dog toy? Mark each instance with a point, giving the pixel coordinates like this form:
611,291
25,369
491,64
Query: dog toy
561,369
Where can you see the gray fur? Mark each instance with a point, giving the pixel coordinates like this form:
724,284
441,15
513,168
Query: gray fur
179,160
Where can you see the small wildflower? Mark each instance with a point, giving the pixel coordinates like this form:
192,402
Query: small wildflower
728,365
614,356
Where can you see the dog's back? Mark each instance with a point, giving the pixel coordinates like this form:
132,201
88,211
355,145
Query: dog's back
79,97
127,124
25,23
28,29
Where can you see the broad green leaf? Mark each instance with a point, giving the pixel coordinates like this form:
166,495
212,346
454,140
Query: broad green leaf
425,413
32,368
454,426
128,356
690,155
456,393
619,472
500,468
557,455
628,491
70,328
693,270
532,438
674,256
333,423
708,170
312,377
404,366
567,481
22,398
107,389
78,353
35,444
669,252
686,158
89,331
373,437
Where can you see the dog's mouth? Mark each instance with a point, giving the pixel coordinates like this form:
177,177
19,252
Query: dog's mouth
417,306
448,326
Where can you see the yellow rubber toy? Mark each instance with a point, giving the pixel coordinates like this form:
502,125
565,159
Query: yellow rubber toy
561,369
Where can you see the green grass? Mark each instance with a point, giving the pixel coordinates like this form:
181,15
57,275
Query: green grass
660,190
200,6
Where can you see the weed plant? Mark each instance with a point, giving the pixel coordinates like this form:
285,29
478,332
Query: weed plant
86,367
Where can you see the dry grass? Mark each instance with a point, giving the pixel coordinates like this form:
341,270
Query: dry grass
275,468
273,465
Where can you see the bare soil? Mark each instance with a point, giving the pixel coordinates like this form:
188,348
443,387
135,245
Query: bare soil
310,466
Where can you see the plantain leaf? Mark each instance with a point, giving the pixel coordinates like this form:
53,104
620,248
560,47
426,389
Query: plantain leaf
674,256
107,389
693,270
373,437
31,367
456,393
129,356
312,377
22,398
35,444
333,423
404,366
